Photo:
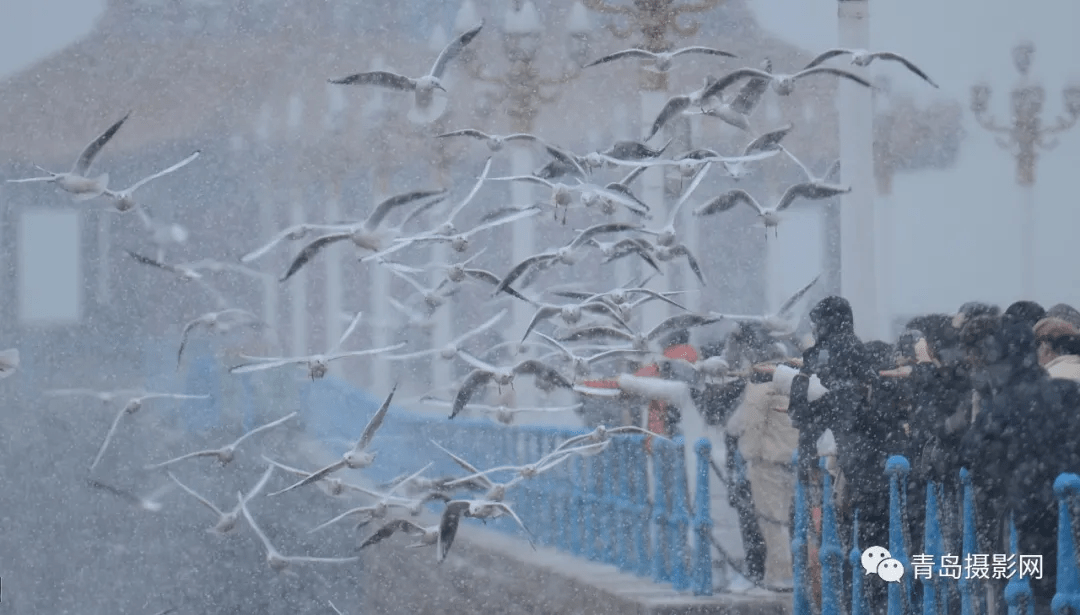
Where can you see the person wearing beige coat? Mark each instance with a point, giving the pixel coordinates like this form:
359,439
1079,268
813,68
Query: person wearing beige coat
1059,348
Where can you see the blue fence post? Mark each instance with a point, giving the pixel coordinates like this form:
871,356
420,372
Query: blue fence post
661,478
577,510
591,501
640,525
855,557
703,522
799,557
564,502
899,593
1067,596
1018,591
968,545
611,503
933,546
679,520
831,554
620,529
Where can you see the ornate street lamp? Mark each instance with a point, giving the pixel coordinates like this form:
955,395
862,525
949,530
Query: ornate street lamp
1024,138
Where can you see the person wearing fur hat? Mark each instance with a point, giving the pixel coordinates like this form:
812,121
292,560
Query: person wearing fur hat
1059,348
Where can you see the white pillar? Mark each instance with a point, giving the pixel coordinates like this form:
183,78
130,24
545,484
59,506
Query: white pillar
298,306
857,228
652,192
524,240
444,320
1027,240
689,226
335,324
268,226
382,320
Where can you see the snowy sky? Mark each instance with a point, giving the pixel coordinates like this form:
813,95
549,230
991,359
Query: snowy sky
939,261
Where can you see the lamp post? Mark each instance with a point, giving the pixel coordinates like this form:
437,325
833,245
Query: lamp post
522,89
858,254
1024,139
652,19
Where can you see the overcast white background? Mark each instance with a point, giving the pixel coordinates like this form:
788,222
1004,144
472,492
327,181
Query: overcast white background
955,230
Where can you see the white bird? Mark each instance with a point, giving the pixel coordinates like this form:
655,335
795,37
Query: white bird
459,241
384,502
131,407
642,341
424,87
570,313
502,376
162,234
187,272
661,61
226,520
823,180
496,492
782,322
451,349
75,181
477,509
862,57
764,146
527,471
105,397
357,457
221,321
149,503
494,142
318,364
502,414
125,199
770,216
425,535
277,561
736,111
293,233
582,366
365,234
332,485
9,362
602,434
666,236
226,453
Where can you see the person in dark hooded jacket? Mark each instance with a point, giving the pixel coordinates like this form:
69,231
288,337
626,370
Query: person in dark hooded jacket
1027,312
1022,438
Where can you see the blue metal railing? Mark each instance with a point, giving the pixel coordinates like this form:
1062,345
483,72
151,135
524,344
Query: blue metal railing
934,585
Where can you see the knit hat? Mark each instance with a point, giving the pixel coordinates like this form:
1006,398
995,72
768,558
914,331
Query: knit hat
1050,328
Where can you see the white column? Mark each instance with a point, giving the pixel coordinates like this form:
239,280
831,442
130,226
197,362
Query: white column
857,228
652,192
444,320
523,237
104,279
382,320
1027,240
267,227
335,324
688,226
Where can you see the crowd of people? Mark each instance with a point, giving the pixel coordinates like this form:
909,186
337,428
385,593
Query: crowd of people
985,389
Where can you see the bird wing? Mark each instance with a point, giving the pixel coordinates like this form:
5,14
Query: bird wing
122,493
567,159
888,55
674,106
264,365
491,322
453,49
146,260
448,525
826,55
682,250
504,219
306,559
846,74
310,251
380,78
750,94
174,167
355,322
542,370
468,467
526,178
703,50
557,345
798,295
473,382
472,193
384,208
769,141
289,469
206,453
680,321
376,421
686,193
545,312
726,201
388,530
108,437
599,332
717,87
626,53
805,169
313,477
86,158
256,253
510,511
523,136
636,429
205,502
521,268
254,526
201,320
600,229
269,425
656,295
466,132
804,190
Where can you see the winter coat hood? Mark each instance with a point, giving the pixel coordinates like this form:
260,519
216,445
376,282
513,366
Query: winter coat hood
831,317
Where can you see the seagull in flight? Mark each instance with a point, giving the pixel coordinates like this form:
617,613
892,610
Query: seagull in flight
226,520
602,434
770,216
823,181
425,536
357,457
226,453
501,376
736,112
638,340
494,142
125,199
424,87
582,366
76,181
477,509
661,61
862,57
221,321
385,502
780,323
277,561
319,364
131,407
333,486
149,503
451,349
364,234
502,414
187,272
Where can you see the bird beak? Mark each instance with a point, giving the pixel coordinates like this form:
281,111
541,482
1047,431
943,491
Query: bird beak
439,86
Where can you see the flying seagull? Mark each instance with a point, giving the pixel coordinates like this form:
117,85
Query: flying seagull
494,142
770,216
423,88
277,561
215,321
131,407
226,453
661,61
125,199
226,520
862,57
501,376
357,457
76,181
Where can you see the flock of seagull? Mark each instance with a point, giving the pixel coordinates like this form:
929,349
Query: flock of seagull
573,331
